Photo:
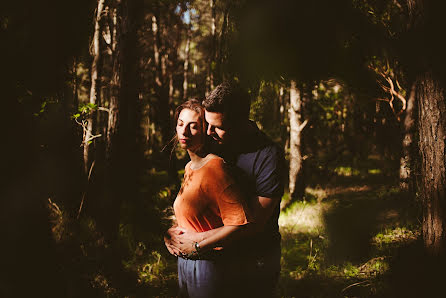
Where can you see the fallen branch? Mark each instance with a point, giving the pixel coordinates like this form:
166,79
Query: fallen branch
355,284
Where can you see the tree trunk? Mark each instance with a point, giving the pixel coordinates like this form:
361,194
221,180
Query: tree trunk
186,64
123,121
284,132
211,63
222,46
75,86
406,160
432,135
95,88
296,158
162,107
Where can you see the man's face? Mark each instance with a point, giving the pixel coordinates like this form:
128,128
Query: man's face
217,128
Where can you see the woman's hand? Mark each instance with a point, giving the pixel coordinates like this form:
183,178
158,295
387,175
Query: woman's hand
169,240
185,246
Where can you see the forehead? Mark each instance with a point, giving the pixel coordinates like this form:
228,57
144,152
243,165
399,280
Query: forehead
214,118
188,115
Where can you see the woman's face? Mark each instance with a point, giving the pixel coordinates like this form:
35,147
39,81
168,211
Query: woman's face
189,130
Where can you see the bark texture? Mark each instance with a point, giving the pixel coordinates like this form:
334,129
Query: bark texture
186,65
164,91
406,161
296,127
432,136
96,70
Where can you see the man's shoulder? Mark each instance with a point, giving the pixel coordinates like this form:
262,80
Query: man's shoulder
262,146
256,140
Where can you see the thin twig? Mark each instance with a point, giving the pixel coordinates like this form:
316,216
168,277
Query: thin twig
302,126
391,90
104,109
353,285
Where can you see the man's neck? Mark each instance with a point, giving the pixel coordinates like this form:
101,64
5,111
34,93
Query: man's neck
241,137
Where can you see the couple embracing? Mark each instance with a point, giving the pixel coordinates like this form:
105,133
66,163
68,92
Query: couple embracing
226,237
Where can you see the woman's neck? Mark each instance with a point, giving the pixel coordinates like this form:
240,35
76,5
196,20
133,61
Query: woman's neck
197,158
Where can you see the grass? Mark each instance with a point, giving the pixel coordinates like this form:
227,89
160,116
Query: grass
342,239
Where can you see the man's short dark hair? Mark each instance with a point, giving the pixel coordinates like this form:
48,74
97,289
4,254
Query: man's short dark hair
230,99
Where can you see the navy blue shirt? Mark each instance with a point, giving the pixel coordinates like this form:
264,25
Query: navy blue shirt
260,170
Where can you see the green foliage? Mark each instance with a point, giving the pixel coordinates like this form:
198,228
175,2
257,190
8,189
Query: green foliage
44,106
390,236
265,111
86,108
346,171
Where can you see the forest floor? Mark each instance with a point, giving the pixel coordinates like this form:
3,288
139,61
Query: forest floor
344,240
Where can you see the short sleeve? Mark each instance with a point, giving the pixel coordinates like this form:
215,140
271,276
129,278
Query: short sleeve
221,188
270,172
232,206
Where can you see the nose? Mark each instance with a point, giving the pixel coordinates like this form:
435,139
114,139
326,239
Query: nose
210,130
186,131
181,130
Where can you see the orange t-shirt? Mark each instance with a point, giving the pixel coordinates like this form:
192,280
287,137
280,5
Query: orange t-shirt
209,198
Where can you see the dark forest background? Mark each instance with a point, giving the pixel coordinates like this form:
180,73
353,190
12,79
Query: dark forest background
354,91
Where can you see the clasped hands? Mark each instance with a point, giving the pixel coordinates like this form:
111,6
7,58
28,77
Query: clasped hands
181,242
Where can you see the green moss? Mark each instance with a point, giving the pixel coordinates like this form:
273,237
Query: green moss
346,171
374,171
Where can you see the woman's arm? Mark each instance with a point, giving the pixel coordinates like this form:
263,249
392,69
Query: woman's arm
262,210
220,237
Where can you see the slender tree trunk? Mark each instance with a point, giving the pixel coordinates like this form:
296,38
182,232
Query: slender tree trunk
211,62
284,133
406,160
75,85
123,120
222,47
296,127
95,88
171,92
162,108
432,136
186,64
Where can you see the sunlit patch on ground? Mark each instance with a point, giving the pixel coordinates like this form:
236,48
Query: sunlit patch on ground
395,236
302,218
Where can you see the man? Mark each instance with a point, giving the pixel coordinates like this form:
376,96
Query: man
260,170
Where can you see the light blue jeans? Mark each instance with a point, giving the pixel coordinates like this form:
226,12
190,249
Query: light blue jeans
199,278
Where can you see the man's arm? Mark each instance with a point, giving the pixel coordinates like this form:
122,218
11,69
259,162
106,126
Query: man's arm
263,210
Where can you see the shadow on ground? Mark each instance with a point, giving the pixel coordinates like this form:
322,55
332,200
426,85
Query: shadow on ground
365,246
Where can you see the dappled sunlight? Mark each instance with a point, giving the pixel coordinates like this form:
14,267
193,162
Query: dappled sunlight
397,236
340,241
303,218
341,190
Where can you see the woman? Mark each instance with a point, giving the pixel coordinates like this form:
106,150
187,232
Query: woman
208,199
